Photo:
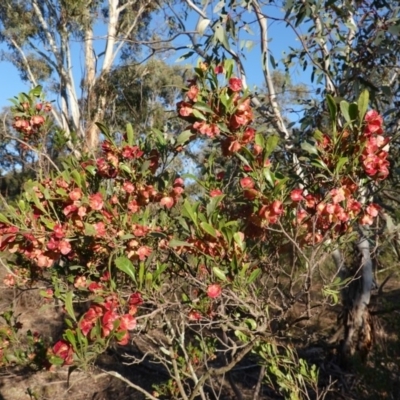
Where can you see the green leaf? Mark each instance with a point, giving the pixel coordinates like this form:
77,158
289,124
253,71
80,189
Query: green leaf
103,129
198,114
149,280
332,108
229,65
202,107
342,161
184,137
272,142
353,111
319,164
254,275
124,264
90,230
189,212
272,60
344,108
129,134
160,136
309,148
251,323
219,273
4,219
141,274
362,102
37,91
125,168
260,139
221,36
318,135
69,335
269,177
76,176
213,204
185,56
202,25
145,166
68,305
238,239
394,30
55,360
160,269
208,229
38,204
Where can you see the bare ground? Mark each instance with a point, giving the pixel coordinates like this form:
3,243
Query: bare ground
379,378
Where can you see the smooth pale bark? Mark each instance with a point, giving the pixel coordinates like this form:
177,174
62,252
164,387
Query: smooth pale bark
55,37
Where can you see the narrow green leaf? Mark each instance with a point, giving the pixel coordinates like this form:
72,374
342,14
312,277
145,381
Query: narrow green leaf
37,91
103,129
272,142
184,137
202,107
319,164
213,204
125,168
362,102
124,264
219,273
353,111
344,108
4,219
260,139
68,305
310,148
198,114
269,177
332,108
185,56
129,134
221,36
190,213
202,25
208,229
237,237
141,274
71,338
254,275
342,161
76,176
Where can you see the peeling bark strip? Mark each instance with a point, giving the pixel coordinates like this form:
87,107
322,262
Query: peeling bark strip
357,320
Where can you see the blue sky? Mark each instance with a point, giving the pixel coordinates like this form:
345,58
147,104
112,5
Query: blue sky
280,38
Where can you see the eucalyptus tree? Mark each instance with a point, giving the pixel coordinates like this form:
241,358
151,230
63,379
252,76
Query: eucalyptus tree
43,39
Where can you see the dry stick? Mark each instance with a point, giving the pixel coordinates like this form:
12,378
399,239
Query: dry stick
174,363
226,355
188,362
257,390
